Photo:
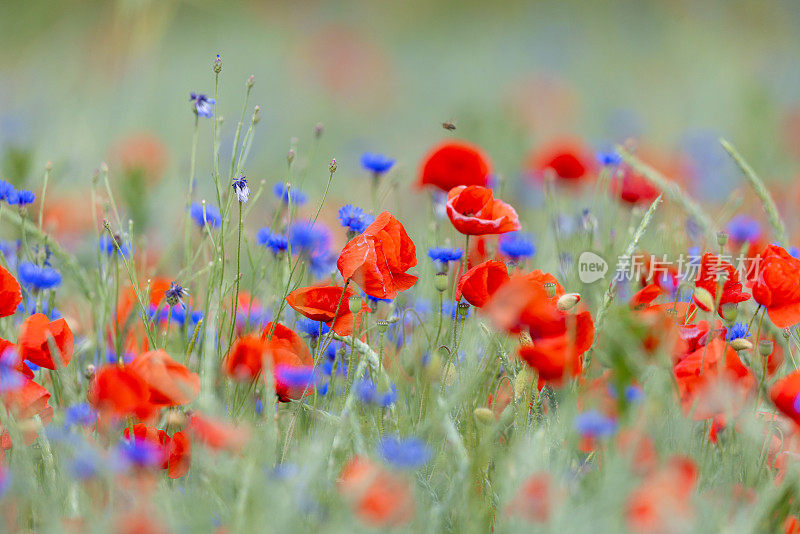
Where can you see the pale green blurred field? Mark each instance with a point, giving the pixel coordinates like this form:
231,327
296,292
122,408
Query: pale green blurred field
78,76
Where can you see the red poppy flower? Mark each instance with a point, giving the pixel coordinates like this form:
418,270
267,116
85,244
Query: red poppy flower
246,358
378,496
36,334
454,163
121,392
568,159
286,349
784,395
557,356
218,434
632,188
10,293
19,364
23,404
523,303
170,383
535,499
473,210
478,284
377,260
661,503
320,303
711,269
777,286
175,452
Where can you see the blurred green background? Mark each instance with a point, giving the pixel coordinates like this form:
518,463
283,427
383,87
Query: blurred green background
79,76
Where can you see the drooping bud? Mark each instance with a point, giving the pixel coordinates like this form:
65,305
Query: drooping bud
484,416
703,299
730,311
568,301
741,344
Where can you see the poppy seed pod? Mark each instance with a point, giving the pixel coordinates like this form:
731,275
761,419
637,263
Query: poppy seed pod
383,326
568,301
765,347
463,309
440,282
354,303
722,238
741,344
550,289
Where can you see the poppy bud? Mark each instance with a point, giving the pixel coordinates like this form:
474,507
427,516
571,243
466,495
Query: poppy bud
703,298
256,114
521,382
441,282
550,288
382,326
741,344
463,309
730,311
355,304
765,347
484,416
568,301
433,368
393,319
722,238
89,371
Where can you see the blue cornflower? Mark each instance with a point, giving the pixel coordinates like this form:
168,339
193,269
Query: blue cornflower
283,193
21,197
80,414
139,453
10,377
212,216
445,255
294,376
241,189
354,218
408,453
737,331
323,264
593,424
273,241
175,294
84,465
744,229
107,246
376,163
517,245
796,404
366,390
794,252
6,190
38,277
308,239
203,106
609,158
310,327
633,394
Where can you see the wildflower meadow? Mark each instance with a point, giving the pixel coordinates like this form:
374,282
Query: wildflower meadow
601,336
